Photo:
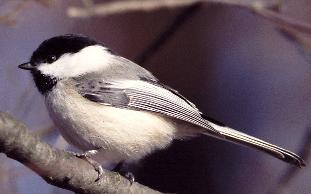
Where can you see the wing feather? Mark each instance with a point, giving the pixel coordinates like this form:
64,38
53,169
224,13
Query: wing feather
149,96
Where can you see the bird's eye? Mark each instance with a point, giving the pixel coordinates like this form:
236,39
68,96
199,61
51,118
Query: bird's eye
51,59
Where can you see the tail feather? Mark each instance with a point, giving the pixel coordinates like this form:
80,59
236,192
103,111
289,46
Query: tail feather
226,133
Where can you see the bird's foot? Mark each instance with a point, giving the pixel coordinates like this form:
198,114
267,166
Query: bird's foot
128,175
87,156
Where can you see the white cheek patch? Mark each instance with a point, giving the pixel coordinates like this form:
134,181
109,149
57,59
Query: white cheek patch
90,59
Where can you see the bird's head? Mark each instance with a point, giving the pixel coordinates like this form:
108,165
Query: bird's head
66,56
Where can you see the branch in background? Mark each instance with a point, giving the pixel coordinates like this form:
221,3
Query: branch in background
58,167
167,33
292,172
44,2
88,3
17,8
299,33
265,9
282,21
300,40
9,18
118,7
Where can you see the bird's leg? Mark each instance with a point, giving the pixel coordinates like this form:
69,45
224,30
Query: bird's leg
87,156
119,169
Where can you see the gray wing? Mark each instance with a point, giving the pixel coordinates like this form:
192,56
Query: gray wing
150,96
142,95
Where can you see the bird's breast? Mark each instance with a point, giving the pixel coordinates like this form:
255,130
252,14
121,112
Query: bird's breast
128,134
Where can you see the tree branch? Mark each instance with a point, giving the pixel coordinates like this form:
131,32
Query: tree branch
265,9
282,20
58,167
10,17
167,33
118,7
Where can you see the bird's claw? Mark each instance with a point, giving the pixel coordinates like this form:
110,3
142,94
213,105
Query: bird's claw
130,176
100,171
87,156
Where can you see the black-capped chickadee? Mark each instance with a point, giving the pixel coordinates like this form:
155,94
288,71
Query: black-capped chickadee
104,102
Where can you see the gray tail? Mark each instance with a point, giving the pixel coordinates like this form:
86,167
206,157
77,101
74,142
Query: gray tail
231,135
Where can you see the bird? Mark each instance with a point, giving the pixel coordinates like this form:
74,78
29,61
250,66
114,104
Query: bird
107,105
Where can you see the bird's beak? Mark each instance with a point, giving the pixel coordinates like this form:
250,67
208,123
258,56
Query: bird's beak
26,66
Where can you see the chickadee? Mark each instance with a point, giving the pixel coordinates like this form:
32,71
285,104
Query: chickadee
104,102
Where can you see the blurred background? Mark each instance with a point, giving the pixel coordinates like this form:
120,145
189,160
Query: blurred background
233,63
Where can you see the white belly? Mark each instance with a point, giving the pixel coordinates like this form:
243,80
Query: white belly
122,134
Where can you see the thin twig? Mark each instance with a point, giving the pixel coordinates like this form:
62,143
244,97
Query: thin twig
265,9
9,18
118,7
88,3
300,40
283,21
44,2
167,33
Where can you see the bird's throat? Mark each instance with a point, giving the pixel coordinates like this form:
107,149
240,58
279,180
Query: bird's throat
43,82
